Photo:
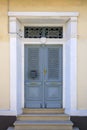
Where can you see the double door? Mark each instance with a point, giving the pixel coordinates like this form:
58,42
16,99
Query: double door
43,76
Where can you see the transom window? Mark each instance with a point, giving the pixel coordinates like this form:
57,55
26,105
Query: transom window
48,32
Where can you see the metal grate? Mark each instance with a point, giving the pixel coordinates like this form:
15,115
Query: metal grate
33,63
38,32
54,63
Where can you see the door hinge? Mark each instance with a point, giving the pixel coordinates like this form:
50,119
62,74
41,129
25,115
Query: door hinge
41,105
45,105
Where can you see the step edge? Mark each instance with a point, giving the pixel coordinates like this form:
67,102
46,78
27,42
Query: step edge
42,122
32,115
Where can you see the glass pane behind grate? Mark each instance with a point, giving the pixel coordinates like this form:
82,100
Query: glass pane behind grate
38,32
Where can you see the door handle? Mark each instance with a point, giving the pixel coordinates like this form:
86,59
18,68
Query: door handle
45,71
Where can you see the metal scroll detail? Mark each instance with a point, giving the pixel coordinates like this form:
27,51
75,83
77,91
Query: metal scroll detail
48,32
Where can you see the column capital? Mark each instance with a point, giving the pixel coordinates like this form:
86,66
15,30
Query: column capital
73,22
12,25
73,19
11,19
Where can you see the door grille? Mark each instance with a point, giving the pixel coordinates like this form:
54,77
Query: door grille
48,32
55,63
33,63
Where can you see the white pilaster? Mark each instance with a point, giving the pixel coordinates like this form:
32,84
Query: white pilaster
15,53
13,73
13,64
12,25
73,64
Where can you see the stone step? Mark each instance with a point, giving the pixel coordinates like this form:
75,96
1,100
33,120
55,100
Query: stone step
43,111
12,128
43,125
43,117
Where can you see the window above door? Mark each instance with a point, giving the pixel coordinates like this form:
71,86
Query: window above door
47,32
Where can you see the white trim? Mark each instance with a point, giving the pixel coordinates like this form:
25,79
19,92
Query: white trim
64,75
69,101
13,70
38,41
14,66
71,65
13,78
73,73
23,74
77,113
8,113
58,14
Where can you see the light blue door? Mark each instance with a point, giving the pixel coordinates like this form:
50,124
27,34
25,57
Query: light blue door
43,76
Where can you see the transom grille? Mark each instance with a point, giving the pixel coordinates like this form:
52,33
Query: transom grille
38,32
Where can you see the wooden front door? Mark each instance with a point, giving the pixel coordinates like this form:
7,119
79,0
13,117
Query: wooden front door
43,76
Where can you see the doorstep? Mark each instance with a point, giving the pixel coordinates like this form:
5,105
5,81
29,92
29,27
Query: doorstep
12,128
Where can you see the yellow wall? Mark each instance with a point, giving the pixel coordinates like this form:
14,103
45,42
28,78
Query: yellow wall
4,56
44,5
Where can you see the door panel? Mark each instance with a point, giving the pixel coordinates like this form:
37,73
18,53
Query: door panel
54,63
33,77
53,79
43,76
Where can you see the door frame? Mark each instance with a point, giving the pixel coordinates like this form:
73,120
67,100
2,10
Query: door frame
70,51
63,64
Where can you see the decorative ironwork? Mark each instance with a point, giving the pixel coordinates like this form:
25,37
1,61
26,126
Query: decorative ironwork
38,32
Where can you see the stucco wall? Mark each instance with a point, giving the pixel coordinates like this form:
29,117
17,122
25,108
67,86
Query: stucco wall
4,56
44,5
